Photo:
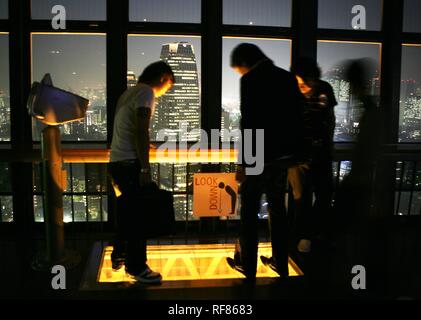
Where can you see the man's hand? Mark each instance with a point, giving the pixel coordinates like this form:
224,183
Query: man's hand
145,179
240,174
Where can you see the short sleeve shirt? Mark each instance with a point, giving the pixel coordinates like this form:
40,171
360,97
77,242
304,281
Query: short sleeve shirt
124,129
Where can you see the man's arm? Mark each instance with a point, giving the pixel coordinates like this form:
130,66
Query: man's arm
143,116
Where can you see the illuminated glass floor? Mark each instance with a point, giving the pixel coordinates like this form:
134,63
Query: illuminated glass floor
190,262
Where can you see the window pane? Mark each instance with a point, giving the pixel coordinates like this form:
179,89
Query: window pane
408,203
5,181
4,9
276,13
96,179
277,50
4,88
410,101
79,207
78,177
97,205
331,58
6,208
334,14
178,11
182,102
411,21
91,10
77,63
6,201
39,208
180,207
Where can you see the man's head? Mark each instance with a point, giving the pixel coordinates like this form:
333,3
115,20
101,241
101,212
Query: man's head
245,56
307,73
159,76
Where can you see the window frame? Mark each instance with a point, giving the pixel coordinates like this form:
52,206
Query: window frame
303,33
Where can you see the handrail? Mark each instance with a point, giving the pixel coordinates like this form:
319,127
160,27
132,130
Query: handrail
342,152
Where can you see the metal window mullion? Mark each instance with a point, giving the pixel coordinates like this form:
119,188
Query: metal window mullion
400,188
411,195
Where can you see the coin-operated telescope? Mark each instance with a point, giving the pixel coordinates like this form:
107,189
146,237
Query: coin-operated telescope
53,106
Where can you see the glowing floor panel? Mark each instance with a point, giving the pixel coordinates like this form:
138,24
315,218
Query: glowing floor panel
190,262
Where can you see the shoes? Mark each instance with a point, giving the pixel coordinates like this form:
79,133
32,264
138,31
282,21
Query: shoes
268,262
238,267
118,261
147,276
304,246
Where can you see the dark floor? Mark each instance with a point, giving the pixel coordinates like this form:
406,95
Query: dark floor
327,272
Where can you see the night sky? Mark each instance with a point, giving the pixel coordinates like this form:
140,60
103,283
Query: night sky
75,9
78,61
3,9
74,61
336,14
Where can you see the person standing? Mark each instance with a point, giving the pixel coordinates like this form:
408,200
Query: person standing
129,166
270,100
314,175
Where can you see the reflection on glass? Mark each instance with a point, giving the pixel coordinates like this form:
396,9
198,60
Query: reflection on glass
91,10
97,205
4,88
6,208
96,178
410,101
38,208
277,50
79,195
182,102
5,181
77,63
78,177
407,203
180,206
408,175
331,57
177,11
411,18
276,13
4,9
190,216
79,205
334,14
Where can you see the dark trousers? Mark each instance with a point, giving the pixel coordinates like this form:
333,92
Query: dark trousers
272,182
305,180
125,175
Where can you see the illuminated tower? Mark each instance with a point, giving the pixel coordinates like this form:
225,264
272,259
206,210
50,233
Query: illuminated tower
182,102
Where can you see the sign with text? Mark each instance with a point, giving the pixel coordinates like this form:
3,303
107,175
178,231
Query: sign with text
214,194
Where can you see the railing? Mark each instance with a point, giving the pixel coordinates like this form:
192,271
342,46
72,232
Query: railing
86,198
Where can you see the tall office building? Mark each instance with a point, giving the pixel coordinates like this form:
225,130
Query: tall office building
182,102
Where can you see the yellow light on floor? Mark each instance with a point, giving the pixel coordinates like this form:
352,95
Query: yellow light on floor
191,262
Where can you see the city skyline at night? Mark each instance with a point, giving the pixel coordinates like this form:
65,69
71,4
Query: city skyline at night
89,81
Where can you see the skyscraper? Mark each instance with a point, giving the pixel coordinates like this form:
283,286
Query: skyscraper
182,102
